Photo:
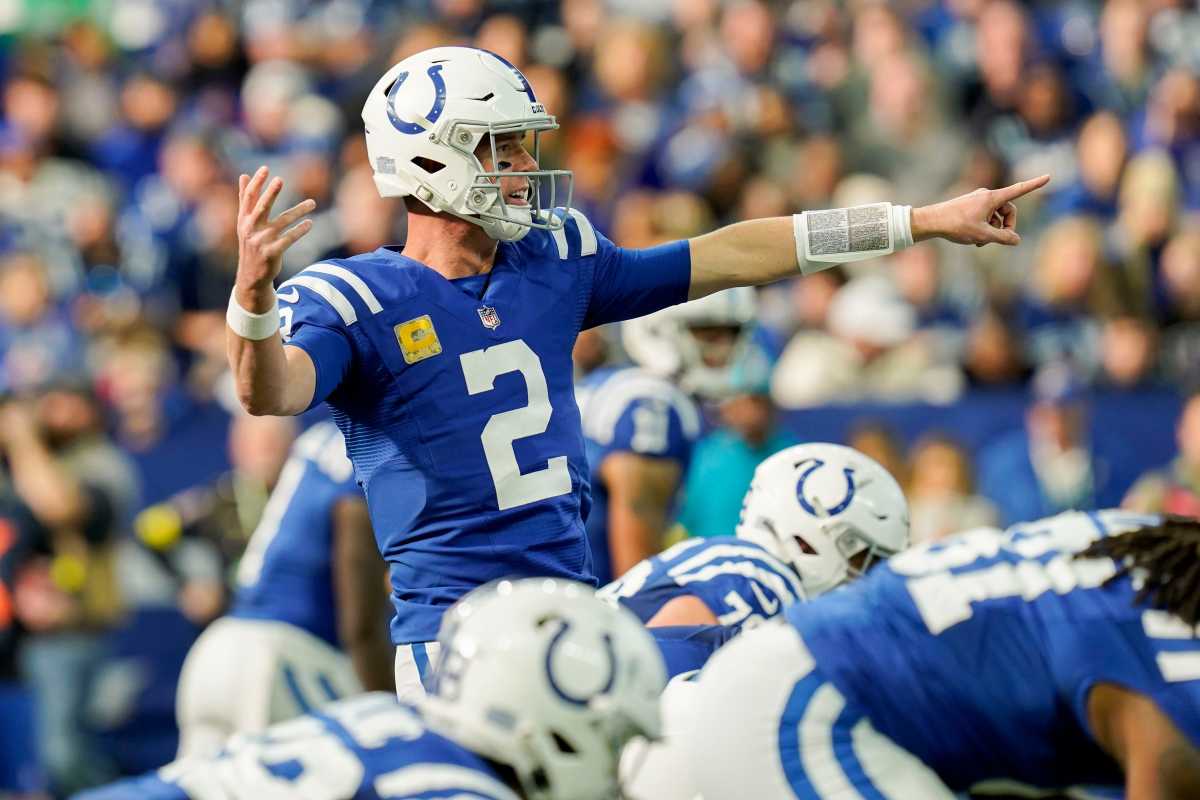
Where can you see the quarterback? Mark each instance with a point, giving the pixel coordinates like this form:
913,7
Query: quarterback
447,364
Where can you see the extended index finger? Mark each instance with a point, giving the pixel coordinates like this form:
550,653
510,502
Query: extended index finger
1010,193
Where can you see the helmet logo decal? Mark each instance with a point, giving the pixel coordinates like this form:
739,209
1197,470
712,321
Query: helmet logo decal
558,690
814,464
439,102
520,76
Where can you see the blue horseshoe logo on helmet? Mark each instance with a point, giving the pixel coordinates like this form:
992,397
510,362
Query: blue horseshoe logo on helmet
814,465
558,690
439,101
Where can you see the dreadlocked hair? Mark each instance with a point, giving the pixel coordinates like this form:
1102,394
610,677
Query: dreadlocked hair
1169,556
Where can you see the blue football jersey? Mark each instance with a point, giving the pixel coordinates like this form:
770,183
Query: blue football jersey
370,747
286,572
740,582
977,654
630,411
687,648
457,403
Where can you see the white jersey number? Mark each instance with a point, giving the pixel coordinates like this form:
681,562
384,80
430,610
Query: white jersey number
481,368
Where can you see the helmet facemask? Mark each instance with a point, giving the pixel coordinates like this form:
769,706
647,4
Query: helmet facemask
487,199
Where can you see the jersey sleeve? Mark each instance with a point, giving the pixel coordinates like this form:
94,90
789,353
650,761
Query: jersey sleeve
656,427
310,320
621,283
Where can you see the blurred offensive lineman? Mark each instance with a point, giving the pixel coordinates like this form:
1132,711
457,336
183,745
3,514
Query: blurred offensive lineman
306,626
816,515
539,686
1061,652
448,367
640,423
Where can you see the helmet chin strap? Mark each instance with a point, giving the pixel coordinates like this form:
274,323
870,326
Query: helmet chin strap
502,230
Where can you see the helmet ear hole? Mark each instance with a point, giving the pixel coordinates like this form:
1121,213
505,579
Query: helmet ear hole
804,546
562,744
428,164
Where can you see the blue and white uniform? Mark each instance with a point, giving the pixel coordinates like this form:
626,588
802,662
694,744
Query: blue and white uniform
283,624
628,410
953,664
739,581
368,748
457,403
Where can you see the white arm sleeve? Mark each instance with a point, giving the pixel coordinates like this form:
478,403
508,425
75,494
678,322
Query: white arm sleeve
838,235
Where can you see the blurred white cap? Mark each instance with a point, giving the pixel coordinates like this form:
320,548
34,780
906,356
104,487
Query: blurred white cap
869,309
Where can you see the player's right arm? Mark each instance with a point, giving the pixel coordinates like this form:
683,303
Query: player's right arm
358,576
640,491
270,378
1159,762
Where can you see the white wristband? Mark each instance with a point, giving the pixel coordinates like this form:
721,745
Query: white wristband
839,235
247,325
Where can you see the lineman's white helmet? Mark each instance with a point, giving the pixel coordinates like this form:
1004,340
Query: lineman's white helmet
663,342
426,116
541,675
817,506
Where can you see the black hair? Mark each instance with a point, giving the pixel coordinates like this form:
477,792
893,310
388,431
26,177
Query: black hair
1169,555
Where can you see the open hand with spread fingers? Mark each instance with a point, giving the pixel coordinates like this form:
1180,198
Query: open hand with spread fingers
981,217
262,240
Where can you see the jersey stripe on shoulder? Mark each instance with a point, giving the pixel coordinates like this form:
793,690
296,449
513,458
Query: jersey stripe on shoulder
588,244
330,293
422,778
356,283
560,240
609,400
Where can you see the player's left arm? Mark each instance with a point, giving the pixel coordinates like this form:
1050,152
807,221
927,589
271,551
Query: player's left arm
1158,760
764,250
640,491
358,582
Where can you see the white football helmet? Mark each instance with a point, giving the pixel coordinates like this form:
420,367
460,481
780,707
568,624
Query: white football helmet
542,676
817,506
663,343
424,119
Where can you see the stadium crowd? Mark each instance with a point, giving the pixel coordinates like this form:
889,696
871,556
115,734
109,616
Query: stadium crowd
132,480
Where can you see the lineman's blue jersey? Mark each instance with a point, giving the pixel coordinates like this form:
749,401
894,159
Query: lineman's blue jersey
977,654
457,403
740,582
286,572
687,648
628,410
370,747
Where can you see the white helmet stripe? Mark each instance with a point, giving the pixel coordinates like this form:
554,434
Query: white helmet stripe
356,283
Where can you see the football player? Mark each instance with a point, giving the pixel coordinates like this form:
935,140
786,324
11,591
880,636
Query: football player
816,515
639,423
307,622
448,365
1061,652
538,687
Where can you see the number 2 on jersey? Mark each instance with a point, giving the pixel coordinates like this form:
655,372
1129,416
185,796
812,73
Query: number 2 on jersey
514,488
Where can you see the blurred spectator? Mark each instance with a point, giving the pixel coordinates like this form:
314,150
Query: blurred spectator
993,357
879,441
723,464
1071,287
868,353
1128,353
1175,488
1100,149
1181,284
1050,466
941,495
38,340
80,491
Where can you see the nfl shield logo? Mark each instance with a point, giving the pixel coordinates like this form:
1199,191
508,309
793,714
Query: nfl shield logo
489,317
